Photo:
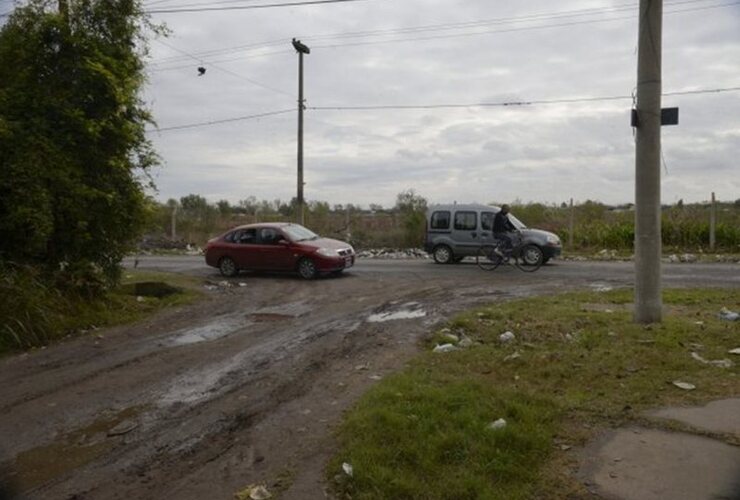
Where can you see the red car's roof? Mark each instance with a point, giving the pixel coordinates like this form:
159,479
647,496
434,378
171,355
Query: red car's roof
263,224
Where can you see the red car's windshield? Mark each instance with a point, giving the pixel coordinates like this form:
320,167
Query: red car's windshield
299,233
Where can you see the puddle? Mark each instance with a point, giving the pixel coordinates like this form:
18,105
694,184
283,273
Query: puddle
288,310
39,465
410,311
199,385
212,331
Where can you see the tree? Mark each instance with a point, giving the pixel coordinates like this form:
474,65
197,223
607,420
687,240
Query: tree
74,156
224,208
413,209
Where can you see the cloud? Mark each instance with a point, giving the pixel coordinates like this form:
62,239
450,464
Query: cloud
546,153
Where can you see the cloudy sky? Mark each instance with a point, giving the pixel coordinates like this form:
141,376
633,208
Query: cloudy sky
437,52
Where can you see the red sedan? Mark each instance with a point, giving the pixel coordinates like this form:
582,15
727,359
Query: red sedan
278,247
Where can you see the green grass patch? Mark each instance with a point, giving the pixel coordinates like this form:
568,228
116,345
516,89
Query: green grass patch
35,314
578,365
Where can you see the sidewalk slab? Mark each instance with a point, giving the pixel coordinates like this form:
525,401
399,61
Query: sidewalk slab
718,416
646,464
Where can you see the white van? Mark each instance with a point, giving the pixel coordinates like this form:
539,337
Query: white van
454,232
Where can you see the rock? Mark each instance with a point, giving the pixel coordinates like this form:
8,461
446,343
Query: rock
673,258
254,492
722,363
515,355
452,337
465,342
506,337
123,428
688,257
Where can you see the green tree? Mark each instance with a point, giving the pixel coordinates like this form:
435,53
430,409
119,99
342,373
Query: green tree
74,157
412,208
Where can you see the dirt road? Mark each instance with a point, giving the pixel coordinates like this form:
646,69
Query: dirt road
246,385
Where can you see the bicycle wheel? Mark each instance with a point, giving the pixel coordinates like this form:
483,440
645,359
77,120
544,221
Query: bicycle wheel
529,258
487,259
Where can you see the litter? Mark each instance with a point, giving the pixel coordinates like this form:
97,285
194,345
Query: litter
515,355
445,348
254,492
140,299
722,363
497,424
728,315
684,385
506,337
734,351
242,284
347,468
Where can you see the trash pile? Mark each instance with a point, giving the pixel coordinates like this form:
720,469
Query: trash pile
392,253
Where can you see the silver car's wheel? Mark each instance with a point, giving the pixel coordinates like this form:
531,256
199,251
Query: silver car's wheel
307,269
227,267
532,255
442,254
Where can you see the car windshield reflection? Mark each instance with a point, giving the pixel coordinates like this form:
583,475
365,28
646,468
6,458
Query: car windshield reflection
299,233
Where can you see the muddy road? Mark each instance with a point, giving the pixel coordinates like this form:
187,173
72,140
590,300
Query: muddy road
246,385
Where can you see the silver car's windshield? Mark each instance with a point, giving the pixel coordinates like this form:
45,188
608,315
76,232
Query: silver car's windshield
299,233
519,224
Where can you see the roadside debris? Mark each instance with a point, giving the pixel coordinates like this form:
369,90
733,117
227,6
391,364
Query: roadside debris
497,424
728,315
254,492
242,284
445,348
347,468
734,351
684,385
452,337
140,299
123,428
722,363
506,337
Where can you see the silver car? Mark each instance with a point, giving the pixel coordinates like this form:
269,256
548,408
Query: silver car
454,232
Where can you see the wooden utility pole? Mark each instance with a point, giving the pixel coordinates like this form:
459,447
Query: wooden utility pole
648,300
174,222
712,223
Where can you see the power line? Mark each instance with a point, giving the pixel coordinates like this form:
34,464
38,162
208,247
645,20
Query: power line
513,104
447,27
225,120
237,75
248,7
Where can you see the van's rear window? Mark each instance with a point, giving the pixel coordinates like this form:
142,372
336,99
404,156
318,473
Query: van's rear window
465,220
441,220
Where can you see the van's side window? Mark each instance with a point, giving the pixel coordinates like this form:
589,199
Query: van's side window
465,220
486,221
441,220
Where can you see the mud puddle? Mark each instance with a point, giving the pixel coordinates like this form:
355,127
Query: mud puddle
408,310
221,327
37,466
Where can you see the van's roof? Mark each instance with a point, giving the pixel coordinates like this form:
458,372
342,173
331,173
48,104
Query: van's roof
463,206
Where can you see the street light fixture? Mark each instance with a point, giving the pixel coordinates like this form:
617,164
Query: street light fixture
301,49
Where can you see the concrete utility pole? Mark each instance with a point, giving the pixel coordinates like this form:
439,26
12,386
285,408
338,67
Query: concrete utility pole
301,49
648,300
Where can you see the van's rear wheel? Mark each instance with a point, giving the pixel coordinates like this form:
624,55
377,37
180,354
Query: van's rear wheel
442,254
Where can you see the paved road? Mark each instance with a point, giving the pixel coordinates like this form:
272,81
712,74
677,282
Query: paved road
246,385
674,274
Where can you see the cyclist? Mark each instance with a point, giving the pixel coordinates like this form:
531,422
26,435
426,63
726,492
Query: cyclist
502,229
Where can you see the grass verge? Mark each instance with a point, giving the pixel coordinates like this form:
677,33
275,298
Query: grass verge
37,314
578,365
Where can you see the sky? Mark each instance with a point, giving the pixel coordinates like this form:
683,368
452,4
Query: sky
373,53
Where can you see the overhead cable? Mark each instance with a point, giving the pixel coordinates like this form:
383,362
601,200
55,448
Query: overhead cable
247,7
217,122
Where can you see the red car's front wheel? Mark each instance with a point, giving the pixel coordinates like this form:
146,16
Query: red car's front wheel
307,269
227,267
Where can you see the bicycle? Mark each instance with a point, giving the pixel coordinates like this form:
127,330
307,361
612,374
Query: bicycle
526,258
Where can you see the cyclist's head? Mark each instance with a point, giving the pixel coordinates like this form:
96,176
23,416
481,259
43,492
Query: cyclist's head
505,209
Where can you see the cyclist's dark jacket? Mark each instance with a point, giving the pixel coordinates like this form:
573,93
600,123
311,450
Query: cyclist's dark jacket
502,224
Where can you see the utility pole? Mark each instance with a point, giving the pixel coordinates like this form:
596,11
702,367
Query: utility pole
173,236
712,223
571,225
301,49
648,300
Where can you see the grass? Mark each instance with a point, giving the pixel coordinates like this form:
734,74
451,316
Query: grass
578,365
41,315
